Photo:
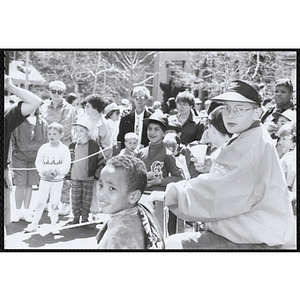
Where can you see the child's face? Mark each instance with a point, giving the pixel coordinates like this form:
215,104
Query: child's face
54,136
113,195
286,143
235,122
82,132
131,144
281,121
282,95
155,133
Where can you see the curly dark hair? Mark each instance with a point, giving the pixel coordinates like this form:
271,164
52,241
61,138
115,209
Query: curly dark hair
97,102
136,172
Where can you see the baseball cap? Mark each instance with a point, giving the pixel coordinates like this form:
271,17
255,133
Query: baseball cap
84,121
240,91
289,114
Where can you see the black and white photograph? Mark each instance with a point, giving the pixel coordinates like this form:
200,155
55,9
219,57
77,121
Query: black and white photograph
150,150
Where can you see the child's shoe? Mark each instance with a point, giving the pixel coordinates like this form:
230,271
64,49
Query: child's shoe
31,228
16,216
55,230
73,222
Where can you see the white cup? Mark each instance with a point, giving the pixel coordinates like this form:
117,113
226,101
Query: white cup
199,152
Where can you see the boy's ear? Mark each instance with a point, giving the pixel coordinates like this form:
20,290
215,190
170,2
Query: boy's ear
257,113
135,196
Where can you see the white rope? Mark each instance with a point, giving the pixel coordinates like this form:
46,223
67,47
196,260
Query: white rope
72,162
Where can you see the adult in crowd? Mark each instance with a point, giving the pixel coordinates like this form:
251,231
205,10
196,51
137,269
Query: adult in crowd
101,133
26,140
112,115
192,129
60,111
13,117
73,100
133,122
283,96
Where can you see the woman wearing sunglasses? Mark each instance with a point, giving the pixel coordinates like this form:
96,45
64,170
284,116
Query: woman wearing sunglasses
60,111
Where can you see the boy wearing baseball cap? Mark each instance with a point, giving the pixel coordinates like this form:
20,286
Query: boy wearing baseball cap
243,200
84,166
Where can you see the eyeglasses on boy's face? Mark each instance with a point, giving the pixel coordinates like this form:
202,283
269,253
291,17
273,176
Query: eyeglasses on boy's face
56,92
237,111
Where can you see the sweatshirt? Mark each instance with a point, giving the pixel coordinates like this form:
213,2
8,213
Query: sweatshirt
55,158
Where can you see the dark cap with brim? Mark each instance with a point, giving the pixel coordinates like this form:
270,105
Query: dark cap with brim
240,91
157,117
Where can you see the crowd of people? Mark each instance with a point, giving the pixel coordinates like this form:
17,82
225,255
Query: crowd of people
96,157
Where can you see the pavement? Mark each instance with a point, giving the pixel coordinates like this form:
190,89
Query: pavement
70,238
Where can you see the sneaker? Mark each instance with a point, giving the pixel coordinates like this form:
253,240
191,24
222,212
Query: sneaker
16,216
55,231
73,222
65,209
31,228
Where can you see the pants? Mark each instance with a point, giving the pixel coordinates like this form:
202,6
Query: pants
65,193
95,207
209,240
47,188
82,194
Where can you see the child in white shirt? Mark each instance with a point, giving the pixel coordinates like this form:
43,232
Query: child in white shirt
53,163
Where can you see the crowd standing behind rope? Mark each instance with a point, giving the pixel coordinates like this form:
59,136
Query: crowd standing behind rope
140,133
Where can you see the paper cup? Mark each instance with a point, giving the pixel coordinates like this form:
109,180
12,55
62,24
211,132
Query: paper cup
199,151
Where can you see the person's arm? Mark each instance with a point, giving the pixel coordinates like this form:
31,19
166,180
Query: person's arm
30,101
225,192
175,172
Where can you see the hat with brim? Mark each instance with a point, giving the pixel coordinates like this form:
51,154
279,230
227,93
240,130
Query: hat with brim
84,122
159,118
288,114
111,107
239,91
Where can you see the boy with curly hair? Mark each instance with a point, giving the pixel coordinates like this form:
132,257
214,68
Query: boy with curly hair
131,225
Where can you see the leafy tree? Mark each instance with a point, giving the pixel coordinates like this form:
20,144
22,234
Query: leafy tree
112,74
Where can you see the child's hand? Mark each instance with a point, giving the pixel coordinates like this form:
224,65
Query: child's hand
202,166
152,180
272,127
49,175
150,176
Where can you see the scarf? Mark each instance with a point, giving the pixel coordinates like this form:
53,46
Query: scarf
153,235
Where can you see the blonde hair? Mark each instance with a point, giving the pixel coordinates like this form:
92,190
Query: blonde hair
57,84
130,135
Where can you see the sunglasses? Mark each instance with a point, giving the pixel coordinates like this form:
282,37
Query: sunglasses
56,92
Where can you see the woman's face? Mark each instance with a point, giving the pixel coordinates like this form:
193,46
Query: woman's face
90,110
183,108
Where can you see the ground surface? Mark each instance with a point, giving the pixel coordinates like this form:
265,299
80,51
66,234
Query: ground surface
69,238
